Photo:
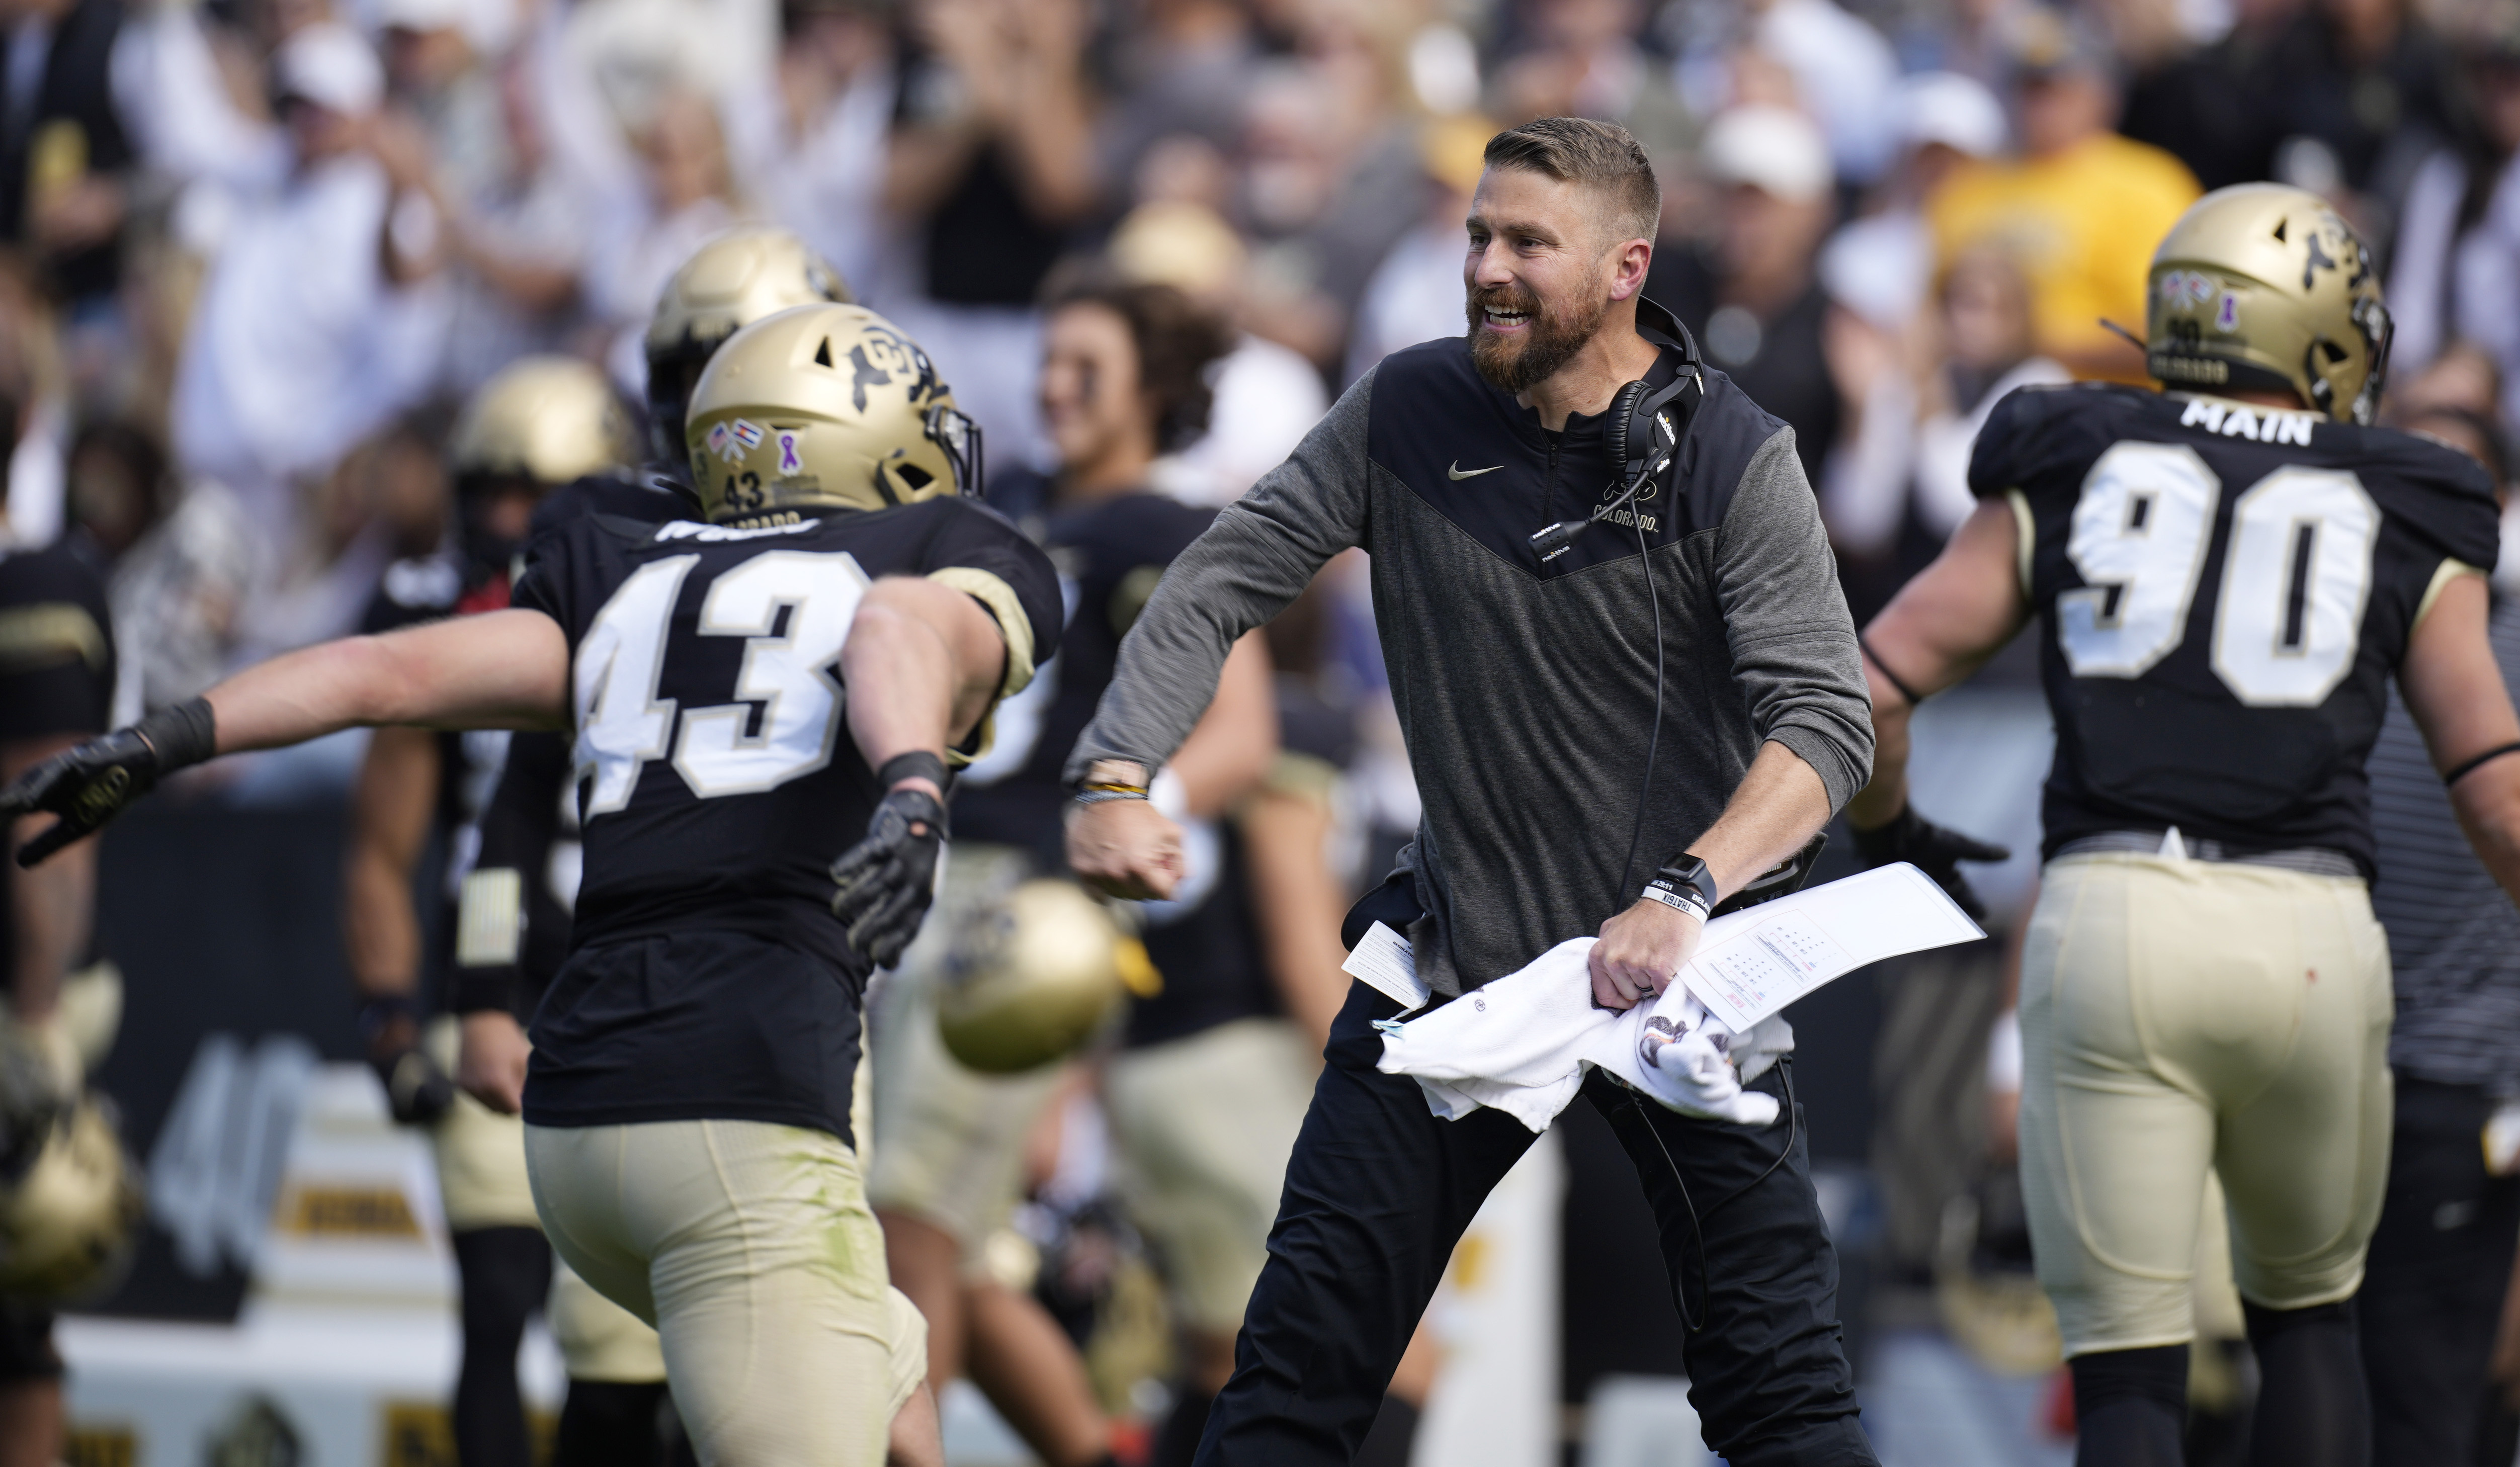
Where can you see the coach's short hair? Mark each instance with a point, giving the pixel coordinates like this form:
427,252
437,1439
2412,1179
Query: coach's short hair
1602,157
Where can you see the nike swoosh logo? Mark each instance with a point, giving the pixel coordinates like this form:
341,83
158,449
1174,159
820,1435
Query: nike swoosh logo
1455,471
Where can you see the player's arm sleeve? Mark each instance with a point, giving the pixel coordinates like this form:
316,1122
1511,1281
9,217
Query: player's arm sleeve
983,556
1793,643
1259,556
490,909
1996,465
553,572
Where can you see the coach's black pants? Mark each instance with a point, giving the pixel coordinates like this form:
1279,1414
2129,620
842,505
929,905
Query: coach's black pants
2432,1289
1378,1190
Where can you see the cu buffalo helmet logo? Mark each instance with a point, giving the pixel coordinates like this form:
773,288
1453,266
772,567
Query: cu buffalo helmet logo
886,356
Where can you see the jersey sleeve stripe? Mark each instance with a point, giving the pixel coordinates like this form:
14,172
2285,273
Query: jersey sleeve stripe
2025,537
48,633
2450,569
993,593
488,919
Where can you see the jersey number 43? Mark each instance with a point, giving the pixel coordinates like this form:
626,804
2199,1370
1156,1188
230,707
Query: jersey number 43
622,723
2295,575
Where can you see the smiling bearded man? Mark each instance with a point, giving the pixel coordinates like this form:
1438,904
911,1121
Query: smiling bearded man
1518,340
1530,678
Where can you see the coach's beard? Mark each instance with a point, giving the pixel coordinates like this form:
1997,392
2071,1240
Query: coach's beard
1517,362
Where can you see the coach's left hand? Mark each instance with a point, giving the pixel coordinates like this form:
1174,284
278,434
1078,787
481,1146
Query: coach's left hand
1640,952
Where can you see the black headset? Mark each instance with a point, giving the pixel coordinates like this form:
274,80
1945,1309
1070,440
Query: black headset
1642,432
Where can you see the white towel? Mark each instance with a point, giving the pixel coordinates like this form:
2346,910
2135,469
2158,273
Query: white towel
1519,1044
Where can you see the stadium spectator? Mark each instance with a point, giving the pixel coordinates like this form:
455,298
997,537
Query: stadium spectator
2454,272
2441,1262
1182,70
687,193
516,246
1265,396
64,159
2082,208
306,339
1882,265
1753,297
836,97
1581,58
2208,104
2355,92
1900,487
118,486
990,169
1416,293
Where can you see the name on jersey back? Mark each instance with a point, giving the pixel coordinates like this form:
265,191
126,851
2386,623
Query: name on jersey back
2256,424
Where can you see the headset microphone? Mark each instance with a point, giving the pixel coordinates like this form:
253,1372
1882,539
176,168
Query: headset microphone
1554,540
1640,456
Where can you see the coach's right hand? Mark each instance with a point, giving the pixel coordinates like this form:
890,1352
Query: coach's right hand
1125,848
1933,850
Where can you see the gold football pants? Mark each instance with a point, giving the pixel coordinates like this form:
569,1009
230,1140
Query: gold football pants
750,1247
948,1143
1205,1126
2179,1015
481,1183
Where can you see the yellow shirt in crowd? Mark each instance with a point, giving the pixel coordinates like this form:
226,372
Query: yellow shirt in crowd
2082,223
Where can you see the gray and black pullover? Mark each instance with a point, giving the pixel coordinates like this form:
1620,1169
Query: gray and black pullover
1525,690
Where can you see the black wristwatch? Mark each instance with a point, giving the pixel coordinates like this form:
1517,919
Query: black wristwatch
1684,882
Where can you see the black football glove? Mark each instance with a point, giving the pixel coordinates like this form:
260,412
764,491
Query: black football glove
1933,850
89,785
888,880
417,1091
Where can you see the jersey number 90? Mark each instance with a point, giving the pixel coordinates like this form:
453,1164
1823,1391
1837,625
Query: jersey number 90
622,724
2295,575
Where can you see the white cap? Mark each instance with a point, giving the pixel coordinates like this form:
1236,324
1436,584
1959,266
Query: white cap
329,65
1773,149
487,24
421,15
1954,111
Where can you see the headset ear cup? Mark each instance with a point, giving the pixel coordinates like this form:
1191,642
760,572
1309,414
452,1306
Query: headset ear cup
1624,451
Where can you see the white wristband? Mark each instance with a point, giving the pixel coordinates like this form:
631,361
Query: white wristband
2004,1054
1166,794
1678,901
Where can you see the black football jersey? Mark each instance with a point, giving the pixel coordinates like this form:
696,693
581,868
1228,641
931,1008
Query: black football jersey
1205,942
530,827
717,782
56,670
2223,591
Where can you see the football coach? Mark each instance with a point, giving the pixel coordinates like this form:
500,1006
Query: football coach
1679,573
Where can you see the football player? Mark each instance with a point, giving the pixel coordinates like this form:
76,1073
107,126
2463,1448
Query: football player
57,667
1206,1099
537,423
2226,574
518,894
687,1105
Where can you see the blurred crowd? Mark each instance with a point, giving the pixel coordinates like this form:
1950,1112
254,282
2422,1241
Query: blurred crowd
259,250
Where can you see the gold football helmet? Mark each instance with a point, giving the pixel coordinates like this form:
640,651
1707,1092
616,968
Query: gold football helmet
825,407
548,418
729,283
2264,285
70,1198
1029,982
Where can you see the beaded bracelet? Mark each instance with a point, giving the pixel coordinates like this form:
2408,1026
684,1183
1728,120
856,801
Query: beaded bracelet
1097,793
